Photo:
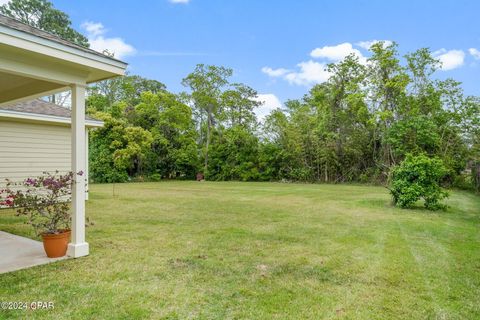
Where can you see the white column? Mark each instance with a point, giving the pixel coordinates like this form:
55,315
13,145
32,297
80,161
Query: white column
78,247
86,165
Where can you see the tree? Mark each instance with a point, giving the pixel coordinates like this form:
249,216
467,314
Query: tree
323,137
356,126
154,139
418,177
174,150
386,83
234,155
103,143
131,149
117,150
206,84
239,103
127,89
413,135
41,14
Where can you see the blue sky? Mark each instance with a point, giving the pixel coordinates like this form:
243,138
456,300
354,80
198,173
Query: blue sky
277,47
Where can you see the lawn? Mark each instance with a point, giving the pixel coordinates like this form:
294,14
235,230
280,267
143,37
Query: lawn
189,250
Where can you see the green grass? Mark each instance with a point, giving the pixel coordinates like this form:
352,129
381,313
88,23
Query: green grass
188,250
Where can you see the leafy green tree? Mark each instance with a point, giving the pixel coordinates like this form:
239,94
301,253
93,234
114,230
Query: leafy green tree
42,14
413,135
269,161
421,65
418,177
239,103
285,134
234,155
386,82
130,150
207,84
117,150
325,136
174,149
127,89
103,143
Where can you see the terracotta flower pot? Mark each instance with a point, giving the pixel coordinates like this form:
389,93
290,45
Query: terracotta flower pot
55,245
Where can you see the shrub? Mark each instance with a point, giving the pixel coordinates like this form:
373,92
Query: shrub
155,177
44,200
463,181
418,177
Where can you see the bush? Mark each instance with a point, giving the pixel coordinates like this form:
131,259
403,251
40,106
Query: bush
155,177
418,177
44,200
463,181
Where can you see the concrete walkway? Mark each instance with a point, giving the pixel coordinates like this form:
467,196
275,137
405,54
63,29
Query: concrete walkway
19,253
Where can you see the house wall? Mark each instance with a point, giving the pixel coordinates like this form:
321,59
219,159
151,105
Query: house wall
28,149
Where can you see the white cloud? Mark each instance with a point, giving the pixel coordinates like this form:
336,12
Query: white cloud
337,53
475,53
179,1
450,59
2,2
274,72
270,103
94,28
367,44
98,42
312,72
309,73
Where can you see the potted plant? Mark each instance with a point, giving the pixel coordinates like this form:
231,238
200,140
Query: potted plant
45,201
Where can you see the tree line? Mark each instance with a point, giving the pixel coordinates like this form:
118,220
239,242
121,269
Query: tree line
352,128
355,127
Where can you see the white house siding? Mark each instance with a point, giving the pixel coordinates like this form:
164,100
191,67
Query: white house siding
29,149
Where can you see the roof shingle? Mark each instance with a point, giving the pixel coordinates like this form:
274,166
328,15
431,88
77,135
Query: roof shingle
41,107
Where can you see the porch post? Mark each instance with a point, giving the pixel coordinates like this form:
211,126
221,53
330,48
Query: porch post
78,247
